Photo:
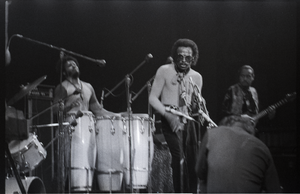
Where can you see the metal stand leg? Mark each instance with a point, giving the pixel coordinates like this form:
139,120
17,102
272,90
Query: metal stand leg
12,163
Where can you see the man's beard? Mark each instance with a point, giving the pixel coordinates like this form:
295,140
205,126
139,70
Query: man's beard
74,75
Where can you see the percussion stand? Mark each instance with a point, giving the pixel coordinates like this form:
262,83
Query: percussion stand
129,112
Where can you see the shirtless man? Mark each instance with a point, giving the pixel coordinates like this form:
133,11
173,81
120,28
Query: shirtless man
78,95
170,83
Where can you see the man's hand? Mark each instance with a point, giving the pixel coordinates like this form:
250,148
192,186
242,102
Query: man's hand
253,122
174,122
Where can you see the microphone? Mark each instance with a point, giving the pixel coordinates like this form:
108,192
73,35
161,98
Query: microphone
169,60
102,98
7,57
148,57
100,62
127,83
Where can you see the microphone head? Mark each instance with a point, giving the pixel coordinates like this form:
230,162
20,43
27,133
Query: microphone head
127,80
169,60
148,57
101,62
7,57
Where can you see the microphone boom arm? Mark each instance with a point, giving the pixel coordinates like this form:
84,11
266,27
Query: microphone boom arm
100,63
142,89
148,56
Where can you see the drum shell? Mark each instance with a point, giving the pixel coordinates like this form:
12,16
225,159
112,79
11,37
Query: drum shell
142,150
28,153
83,151
31,185
109,153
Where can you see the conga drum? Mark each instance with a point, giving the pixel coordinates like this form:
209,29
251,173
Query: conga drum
109,133
83,151
142,150
27,153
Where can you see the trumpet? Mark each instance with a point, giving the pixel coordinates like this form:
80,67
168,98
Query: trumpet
201,106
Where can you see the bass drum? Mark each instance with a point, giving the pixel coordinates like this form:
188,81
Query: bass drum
31,185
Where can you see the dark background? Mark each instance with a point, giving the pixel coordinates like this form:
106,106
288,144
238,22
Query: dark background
229,34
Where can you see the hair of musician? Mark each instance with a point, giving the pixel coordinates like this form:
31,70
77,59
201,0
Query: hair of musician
235,120
186,43
246,67
63,61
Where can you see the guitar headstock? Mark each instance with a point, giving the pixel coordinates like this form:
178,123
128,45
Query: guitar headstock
291,97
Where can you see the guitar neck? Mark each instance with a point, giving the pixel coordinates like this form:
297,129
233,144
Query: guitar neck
266,111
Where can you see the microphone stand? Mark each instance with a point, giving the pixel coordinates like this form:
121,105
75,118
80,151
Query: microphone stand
61,150
142,89
100,63
61,140
149,136
129,112
148,57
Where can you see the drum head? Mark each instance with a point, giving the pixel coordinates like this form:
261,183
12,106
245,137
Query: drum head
31,185
17,145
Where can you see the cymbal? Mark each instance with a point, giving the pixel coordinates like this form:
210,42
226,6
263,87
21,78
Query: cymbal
25,90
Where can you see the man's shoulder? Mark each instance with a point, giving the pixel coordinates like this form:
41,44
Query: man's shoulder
166,70
63,83
166,67
194,73
87,84
83,82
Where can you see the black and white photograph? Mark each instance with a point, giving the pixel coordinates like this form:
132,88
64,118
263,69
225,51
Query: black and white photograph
151,96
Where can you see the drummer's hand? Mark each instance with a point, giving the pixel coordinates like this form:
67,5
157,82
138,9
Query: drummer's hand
174,122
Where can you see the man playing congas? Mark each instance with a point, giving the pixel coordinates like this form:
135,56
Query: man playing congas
80,153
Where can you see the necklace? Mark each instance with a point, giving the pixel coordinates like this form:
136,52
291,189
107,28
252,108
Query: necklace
78,90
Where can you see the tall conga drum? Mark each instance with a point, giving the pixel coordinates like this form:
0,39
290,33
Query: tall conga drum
109,152
142,149
83,151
